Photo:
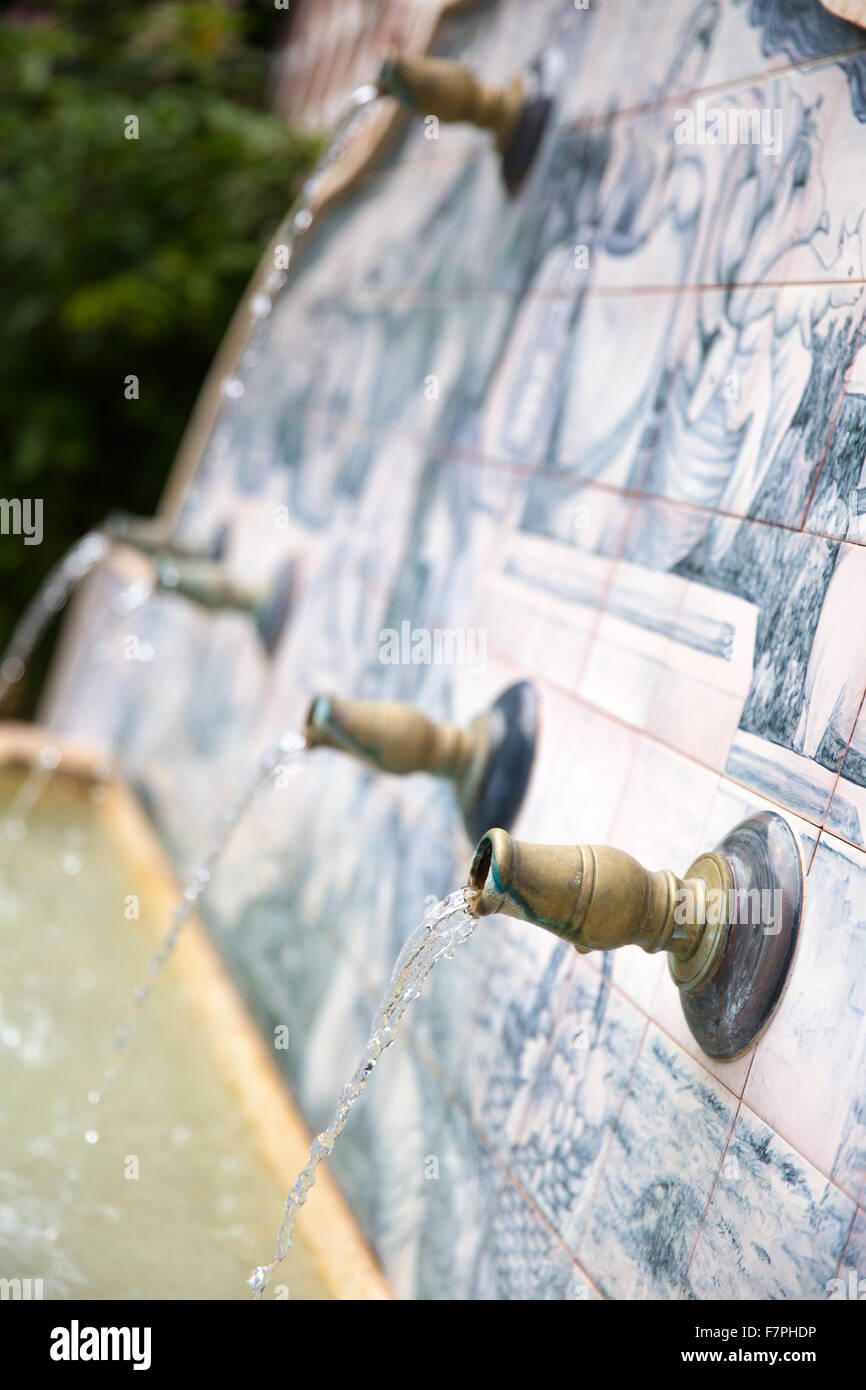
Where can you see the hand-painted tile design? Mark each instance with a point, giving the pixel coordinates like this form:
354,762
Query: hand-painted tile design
614,430
649,1205
808,1079
775,1227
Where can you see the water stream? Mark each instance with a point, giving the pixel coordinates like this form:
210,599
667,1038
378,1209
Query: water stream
297,224
279,755
53,595
443,929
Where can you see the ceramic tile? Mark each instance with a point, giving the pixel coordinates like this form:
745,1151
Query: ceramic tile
613,429
838,505
850,1277
664,804
562,1137
807,1080
847,813
513,1027
521,1258
775,1228
552,570
673,51
650,1201
673,654
754,400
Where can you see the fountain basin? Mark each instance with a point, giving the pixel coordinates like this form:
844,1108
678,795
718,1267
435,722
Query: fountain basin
199,1141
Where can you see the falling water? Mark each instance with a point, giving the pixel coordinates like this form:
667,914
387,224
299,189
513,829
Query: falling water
297,224
279,755
445,927
53,595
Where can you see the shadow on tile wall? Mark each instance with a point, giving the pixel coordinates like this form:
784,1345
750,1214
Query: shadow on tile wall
618,425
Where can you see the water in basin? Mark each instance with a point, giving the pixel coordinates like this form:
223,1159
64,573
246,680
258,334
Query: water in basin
175,1195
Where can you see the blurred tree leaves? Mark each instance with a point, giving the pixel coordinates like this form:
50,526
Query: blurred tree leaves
122,256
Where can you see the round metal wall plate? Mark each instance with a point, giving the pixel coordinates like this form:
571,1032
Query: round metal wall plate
524,143
275,611
727,1013
512,732
517,158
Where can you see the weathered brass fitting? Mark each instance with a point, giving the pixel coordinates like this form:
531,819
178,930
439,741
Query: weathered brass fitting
729,925
211,586
489,762
152,536
515,113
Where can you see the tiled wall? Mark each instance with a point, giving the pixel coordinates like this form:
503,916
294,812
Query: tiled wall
636,476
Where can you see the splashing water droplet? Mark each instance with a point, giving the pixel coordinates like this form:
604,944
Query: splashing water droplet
232,388
91,1136
260,306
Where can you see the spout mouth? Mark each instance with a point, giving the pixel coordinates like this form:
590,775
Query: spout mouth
490,872
316,720
273,616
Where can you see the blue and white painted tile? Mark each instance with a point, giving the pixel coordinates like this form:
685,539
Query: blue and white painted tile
569,1115
852,1271
847,813
582,763
425,1185
775,1227
733,642
838,507
663,806
551,571
513,1029
660,200
450,545
808,1079
458,1184
521,1259
674,51
750,412
649,1205
673,655
805,694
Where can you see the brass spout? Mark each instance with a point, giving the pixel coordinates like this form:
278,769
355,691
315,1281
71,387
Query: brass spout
515,113
599,899
452,92
211,586
152,536
729,925
488,762
397,738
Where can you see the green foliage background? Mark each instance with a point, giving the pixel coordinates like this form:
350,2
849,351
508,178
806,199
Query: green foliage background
122,256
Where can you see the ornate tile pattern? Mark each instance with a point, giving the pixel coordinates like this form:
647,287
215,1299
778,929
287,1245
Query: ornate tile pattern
617,425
